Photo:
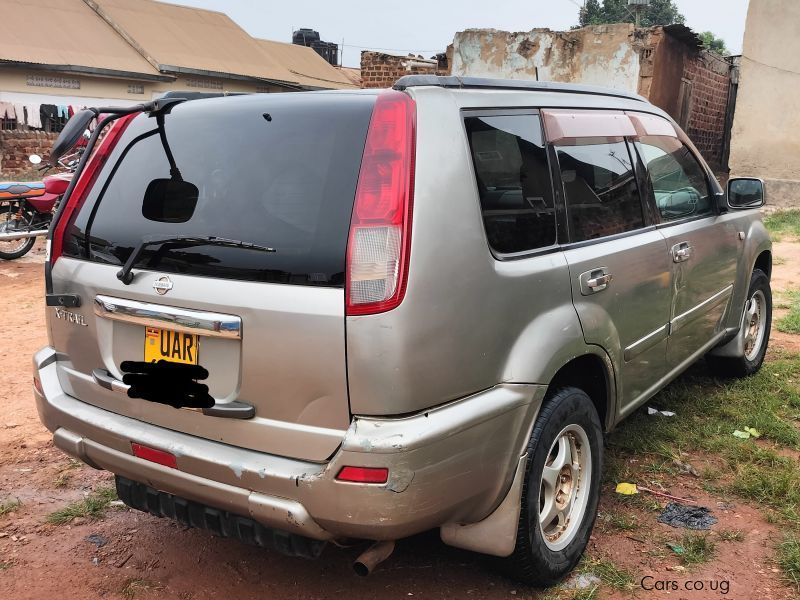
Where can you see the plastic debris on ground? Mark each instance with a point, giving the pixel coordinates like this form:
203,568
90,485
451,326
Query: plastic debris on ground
747,433
627,489
583,582
660,413
689,517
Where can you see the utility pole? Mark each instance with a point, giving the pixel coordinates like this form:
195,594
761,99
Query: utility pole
637,6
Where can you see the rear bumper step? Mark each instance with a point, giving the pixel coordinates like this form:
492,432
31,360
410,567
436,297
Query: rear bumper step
219,522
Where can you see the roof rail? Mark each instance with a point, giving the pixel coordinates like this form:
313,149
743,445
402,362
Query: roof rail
453,82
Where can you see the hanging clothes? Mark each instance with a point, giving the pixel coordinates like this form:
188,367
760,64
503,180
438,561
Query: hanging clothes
70,110
33,116
19,110
6,110
63,111
48,112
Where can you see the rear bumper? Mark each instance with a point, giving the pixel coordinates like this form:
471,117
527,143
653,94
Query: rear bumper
451,464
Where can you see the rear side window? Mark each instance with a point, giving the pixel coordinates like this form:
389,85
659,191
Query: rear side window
677,181
276,170
513,181
600,187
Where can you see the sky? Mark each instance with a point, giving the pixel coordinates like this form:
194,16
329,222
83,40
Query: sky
426,26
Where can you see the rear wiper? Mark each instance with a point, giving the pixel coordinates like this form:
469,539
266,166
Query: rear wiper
126,276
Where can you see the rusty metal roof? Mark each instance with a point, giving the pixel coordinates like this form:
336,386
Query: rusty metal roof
186,39
308,68
66,33
685,35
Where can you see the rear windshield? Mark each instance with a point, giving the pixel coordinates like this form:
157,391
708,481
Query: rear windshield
277,170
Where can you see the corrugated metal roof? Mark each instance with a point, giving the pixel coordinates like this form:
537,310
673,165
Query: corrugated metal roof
684,34
192,38
353,74
308,67
64,32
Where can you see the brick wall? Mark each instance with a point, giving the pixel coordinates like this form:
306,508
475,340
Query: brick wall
16,146
710,78
380,70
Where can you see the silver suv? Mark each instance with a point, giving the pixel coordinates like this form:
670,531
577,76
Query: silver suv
310,317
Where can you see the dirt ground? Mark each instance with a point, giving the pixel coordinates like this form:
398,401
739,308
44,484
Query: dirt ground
146,557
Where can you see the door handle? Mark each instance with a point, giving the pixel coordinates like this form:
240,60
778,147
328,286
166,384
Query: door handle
681,252
595,281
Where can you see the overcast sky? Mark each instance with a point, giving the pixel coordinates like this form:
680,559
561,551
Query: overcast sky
427,26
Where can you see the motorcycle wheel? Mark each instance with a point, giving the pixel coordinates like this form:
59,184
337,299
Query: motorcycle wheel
14,248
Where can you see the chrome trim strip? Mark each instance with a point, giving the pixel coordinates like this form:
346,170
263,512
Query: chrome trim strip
647,342
178,319
699,310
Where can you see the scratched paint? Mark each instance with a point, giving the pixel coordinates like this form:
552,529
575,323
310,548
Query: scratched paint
607,55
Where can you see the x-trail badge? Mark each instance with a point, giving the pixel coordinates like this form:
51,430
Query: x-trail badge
162,285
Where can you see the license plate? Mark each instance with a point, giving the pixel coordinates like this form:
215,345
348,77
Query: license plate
172,346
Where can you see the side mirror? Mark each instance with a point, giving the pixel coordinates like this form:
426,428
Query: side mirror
35,159
746,192
71,133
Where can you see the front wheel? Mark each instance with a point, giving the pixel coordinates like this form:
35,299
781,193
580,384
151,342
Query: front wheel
754,333
14,248
561,489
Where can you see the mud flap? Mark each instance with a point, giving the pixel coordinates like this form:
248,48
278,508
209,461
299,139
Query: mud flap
496,534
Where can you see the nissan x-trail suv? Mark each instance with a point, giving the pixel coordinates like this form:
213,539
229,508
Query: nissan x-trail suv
359,315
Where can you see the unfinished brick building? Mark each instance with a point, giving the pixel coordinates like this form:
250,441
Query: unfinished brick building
667,65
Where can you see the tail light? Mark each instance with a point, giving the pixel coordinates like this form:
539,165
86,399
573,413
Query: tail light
87,179
380,230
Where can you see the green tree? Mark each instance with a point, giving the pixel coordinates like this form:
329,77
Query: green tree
591,13
713,43
659,12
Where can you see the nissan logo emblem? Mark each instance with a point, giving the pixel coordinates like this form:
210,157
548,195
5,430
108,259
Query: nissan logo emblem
162,285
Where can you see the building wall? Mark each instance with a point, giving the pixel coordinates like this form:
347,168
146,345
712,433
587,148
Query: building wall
709,77
599,55
764,140
379,70
16,147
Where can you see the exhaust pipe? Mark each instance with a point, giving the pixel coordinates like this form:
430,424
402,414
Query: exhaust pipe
21,235
372,557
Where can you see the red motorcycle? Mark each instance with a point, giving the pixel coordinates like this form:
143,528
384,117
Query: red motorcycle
27,208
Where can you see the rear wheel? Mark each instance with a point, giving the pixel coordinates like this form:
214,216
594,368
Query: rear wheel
755,330
8,224
561,489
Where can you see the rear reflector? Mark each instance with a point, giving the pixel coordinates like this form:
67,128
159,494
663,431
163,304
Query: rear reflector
380,230
37,385
157,456
363,475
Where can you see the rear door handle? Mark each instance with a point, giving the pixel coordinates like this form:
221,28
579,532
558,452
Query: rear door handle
595,281
681,252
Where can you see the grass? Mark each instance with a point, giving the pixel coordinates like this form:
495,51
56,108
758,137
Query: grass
91,507
697,548
62,479
789,559
587,594
623,522
789,323
134,587
783,223
609,573
708,411
9,506
731,535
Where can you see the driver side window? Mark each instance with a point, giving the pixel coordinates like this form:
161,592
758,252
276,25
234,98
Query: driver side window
677,181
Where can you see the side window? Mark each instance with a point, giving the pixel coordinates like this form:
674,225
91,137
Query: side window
513,180
677,181
600,188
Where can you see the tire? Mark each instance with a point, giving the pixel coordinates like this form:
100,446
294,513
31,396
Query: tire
759,307
16,248
543,561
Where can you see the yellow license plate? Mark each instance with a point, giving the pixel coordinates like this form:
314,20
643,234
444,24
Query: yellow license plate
172,346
